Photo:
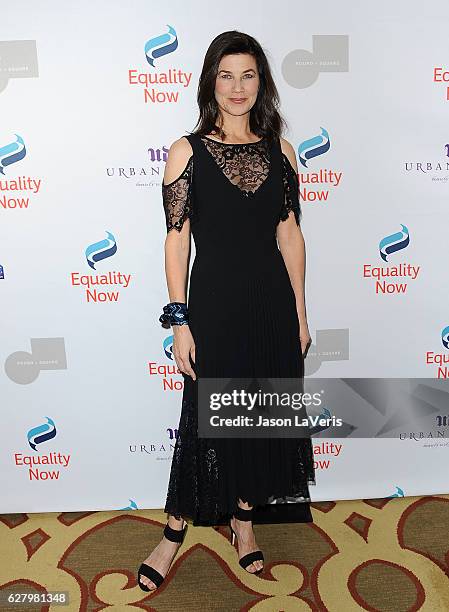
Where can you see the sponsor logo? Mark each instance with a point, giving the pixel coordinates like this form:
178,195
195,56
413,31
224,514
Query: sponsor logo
440,360
384,277
315,185
330,345
161,449
399,493
15,192
160,86
329,449
132,506
46,354
330,53
437,169
434,436
147,173
167,372
106,287
18,60
39,466
441,76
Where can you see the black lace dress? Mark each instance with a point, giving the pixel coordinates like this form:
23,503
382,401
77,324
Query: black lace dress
243,318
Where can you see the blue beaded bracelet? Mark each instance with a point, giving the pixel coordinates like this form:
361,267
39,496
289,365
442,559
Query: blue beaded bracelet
175,313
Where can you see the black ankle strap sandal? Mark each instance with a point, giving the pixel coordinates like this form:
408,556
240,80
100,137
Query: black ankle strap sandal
243,515
257,555
174,535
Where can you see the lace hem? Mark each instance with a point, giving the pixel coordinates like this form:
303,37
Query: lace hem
199,469
291,191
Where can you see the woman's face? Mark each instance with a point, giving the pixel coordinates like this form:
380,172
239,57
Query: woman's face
237,83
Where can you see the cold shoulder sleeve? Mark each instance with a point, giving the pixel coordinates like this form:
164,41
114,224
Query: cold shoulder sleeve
291,191
177,198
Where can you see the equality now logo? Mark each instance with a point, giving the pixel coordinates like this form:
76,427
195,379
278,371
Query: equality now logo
46,354
167,371
14,192
99,252
441,75
39,465
156,84
330,53
314,185
391,245
440,360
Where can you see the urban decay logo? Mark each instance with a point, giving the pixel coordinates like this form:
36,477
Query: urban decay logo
386,277
165,371
161,449
39,464
314,185
46,354
330,53
435,437
146,174
438,359
160,87
15,192
97,287
18,60
438,170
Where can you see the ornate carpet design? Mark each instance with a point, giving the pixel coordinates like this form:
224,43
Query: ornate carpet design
377,555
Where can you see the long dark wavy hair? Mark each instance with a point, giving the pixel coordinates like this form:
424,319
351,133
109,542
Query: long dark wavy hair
265,119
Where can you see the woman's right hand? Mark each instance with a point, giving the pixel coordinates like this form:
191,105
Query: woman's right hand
183,347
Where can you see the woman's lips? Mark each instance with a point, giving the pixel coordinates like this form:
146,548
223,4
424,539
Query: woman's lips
237,100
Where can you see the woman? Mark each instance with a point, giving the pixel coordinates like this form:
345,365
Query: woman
233,184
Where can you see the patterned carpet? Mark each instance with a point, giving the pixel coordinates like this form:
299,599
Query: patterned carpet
378,555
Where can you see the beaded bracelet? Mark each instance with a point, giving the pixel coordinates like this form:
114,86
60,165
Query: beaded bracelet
175,313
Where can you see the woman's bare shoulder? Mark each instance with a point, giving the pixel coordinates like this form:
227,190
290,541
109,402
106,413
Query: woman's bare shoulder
179,154
289,152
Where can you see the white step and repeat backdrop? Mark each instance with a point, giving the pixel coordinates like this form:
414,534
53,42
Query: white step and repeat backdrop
92,94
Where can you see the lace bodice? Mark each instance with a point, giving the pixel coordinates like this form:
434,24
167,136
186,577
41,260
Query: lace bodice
245,165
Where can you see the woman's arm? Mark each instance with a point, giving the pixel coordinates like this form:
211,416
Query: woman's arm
177,243
177,251
292,247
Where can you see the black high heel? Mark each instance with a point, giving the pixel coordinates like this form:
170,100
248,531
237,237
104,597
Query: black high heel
257,555
174,535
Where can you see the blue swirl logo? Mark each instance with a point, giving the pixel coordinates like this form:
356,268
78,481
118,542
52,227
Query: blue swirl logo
168,346
41,433
101,250
394,242
445,337
161,45
132,506
12,153
318,145
325,414
399,493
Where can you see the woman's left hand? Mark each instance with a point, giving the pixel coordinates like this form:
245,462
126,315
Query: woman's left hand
304,336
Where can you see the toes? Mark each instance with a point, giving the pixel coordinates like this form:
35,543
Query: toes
148,583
